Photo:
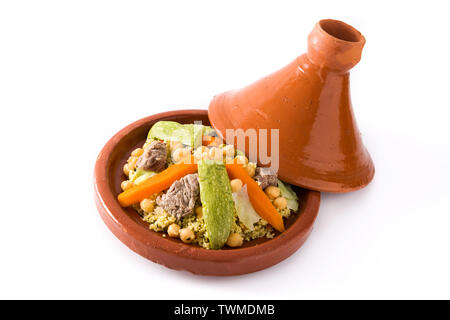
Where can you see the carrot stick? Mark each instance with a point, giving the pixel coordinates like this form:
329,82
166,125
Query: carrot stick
257,197
155,184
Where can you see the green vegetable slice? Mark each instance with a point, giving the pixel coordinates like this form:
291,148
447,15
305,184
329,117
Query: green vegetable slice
217,201
244,209
187,134
289,195
144,176
140,175
173,131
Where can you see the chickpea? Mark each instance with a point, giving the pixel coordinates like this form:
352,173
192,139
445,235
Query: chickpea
202,149
137,152
280,203
187,235
241,160
272,192
132,162
228,150
199,212
131,159
215,153
236,185
250,170
201,156
235,240
174,145
180,154
201,153
177,154
174,230
198,155
126,169
125,185
147,205
186,159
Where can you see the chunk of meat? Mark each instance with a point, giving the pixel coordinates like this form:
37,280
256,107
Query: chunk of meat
154,157
181,197
265,177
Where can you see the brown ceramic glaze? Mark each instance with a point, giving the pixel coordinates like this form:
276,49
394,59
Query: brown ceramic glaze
309,102
126,224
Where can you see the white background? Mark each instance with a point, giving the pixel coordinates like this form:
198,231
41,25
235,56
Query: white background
72,73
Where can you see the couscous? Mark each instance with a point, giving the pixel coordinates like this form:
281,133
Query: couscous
185,184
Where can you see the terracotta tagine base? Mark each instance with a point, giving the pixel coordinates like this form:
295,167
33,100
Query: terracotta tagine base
308,101
127,225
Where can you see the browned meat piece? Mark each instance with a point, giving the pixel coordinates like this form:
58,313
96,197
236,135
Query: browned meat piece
265,177
154,157
181,197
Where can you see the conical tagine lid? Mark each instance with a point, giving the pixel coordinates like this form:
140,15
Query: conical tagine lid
307,104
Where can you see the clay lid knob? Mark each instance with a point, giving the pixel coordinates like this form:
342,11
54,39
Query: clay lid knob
335,45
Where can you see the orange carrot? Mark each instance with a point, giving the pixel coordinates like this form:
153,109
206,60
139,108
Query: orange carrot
257,197
155,184
206,140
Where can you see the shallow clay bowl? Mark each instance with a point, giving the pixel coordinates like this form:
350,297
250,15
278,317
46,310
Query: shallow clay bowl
127,225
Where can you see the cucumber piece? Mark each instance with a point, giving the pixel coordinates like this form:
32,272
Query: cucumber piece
217,201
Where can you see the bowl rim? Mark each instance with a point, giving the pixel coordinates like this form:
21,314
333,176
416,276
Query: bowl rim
110,209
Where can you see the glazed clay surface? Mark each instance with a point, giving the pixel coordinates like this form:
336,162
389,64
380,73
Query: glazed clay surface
320,146
127,225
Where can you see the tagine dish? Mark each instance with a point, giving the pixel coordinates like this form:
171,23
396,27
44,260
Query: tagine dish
186,184
172,191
